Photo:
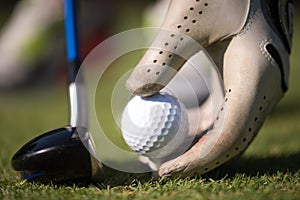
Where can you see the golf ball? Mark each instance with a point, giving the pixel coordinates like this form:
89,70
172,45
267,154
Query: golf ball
155,125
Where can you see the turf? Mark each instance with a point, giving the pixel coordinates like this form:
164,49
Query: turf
270,168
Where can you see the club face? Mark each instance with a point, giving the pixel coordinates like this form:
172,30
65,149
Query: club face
57,155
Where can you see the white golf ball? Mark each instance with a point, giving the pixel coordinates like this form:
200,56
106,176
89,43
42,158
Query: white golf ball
155,125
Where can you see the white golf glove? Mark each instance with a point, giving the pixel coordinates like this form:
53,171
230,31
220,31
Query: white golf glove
250,41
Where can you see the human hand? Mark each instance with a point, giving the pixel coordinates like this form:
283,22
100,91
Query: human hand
250,43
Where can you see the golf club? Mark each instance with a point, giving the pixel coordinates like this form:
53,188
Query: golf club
59,155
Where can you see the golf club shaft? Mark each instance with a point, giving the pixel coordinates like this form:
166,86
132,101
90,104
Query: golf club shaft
76,90
70,7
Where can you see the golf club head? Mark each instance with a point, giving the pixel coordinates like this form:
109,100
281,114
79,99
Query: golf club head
57,155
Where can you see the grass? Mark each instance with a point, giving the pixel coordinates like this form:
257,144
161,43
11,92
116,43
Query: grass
270,168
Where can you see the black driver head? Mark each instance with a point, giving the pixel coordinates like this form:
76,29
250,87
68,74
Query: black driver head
57,155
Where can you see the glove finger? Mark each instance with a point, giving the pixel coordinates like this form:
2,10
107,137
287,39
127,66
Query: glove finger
186,25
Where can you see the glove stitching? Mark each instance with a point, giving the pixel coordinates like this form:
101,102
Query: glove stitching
265,53
249,21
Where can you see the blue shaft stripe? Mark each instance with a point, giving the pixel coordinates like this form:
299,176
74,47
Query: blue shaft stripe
71,30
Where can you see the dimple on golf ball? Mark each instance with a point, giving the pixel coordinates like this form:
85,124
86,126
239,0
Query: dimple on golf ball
154,125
